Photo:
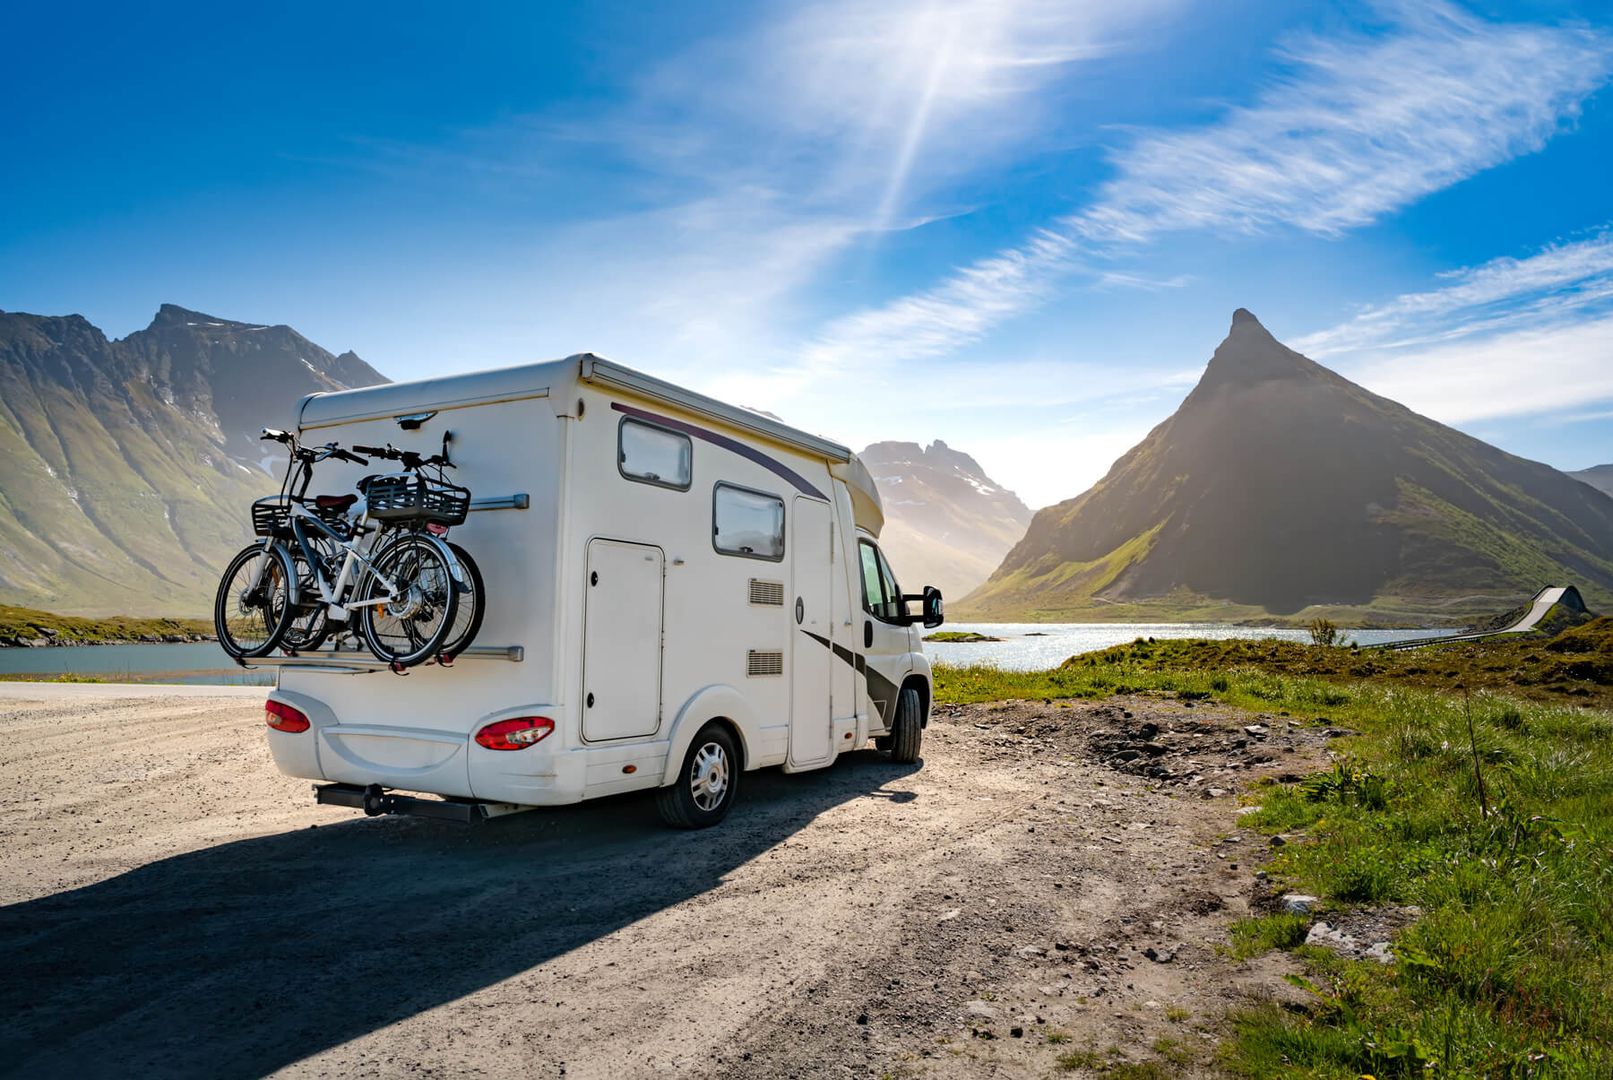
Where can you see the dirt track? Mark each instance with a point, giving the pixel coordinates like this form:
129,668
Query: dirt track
177,907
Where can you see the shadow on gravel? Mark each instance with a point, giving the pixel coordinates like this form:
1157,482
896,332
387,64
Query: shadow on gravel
240,959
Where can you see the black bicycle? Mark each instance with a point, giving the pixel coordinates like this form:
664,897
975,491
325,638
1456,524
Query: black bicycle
322,561
469,610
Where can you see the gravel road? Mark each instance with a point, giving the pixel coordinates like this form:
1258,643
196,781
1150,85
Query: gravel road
1053,877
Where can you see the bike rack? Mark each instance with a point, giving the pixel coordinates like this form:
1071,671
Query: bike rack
352,662
521,501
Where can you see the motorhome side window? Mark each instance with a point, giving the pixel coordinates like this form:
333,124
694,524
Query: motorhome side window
881,596
747,523
654,455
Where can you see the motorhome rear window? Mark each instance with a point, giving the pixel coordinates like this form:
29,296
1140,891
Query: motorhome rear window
747,523
654,455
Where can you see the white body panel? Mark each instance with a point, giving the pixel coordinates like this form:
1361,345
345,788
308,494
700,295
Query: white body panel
611,587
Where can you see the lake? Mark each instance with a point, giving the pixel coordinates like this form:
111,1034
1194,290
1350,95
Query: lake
1026,647
1023,650
199,662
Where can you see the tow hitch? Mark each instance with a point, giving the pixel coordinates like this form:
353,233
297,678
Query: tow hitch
375,800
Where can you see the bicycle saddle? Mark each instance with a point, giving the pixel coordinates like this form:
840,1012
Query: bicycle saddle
335,502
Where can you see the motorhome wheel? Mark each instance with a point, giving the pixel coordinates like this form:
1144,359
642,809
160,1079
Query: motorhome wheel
907,732
705,788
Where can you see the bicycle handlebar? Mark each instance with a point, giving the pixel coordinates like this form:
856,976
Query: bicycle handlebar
410,459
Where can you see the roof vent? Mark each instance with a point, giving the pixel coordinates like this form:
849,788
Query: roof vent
760,662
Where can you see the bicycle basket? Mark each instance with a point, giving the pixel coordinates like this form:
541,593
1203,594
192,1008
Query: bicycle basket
407,497
272,517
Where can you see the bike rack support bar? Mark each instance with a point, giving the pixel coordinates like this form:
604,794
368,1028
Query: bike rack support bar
521,501
353,663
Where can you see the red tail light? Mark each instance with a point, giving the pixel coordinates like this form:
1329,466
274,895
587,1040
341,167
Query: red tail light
516,733
283,717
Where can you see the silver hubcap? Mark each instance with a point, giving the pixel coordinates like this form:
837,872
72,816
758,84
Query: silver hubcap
708,779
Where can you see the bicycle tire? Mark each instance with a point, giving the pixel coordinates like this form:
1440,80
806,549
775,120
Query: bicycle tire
310,622
429,592
271,609
468,618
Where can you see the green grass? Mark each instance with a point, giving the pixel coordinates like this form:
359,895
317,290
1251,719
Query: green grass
1251,937
1509,971
16,622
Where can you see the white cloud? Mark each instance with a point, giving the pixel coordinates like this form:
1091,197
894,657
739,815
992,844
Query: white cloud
1517,373
1358,129
1560,282
1511,337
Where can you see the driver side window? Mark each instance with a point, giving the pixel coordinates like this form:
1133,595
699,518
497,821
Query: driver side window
882,598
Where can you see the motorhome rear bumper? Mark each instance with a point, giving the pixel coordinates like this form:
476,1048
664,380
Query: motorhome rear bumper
375,801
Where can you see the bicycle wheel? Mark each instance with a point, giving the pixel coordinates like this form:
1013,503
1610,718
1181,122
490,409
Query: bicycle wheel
254,602
468,616
411,623
310,622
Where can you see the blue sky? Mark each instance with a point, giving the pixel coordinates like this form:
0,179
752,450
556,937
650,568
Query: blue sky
1016,225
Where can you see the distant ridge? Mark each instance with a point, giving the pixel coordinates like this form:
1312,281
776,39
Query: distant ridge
1599,477
947,523
128,466
1280,488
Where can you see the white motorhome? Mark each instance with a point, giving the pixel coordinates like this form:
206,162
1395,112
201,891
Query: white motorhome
677,591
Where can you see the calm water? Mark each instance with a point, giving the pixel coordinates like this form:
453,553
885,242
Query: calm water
1022,650
1025,646
201,662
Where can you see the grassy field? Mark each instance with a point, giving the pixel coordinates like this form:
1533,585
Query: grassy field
1490,811
31,625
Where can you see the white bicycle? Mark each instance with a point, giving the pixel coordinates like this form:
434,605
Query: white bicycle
326,559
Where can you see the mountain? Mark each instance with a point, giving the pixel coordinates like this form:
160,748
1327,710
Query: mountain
947,523
1598,476
1280,488
128,466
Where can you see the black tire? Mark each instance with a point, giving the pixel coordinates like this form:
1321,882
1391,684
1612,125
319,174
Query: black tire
410,630
250,621
310,623
468,616
683,803
907,732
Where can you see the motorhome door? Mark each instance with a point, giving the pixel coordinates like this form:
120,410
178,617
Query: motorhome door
622,641
811,729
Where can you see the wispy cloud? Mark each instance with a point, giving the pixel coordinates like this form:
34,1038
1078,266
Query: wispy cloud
1563,281
1356,129
1518,373
1511,337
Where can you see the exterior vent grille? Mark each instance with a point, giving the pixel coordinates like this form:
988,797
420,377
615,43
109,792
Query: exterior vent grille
764,662
770,593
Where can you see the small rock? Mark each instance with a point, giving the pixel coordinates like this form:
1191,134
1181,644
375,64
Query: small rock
1217,792
862,1018
981,1009
1242,810
1380,952
1016,1032
1279,840
1297,903
1257,730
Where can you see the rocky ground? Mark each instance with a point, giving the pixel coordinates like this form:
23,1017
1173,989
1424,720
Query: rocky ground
1049,892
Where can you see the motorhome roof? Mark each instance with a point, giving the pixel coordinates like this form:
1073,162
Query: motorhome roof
535,381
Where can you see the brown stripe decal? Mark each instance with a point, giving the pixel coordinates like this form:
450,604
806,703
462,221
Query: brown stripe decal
750,453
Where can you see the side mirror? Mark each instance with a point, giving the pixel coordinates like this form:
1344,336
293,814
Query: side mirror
931,611
933,608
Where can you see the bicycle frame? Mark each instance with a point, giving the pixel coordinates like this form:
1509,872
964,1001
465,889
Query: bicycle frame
333,595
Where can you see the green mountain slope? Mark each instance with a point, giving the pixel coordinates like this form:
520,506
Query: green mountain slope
127,467
1279,488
